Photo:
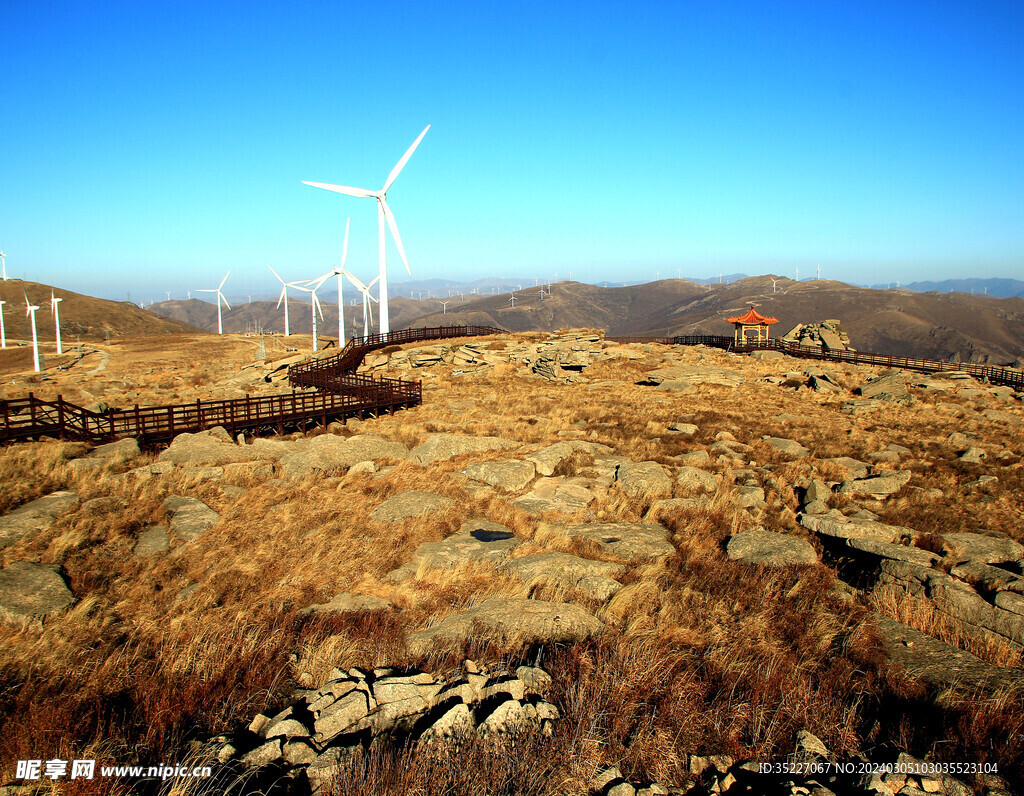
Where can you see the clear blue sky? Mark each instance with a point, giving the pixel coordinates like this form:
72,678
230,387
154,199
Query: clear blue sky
150,147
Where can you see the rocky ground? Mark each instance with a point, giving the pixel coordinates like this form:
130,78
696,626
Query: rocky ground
558,501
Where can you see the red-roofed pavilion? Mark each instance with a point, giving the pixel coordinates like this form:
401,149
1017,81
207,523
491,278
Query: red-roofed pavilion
753,324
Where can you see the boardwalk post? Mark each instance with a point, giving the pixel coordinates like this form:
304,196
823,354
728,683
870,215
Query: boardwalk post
60,417
170,419
199,414
138,421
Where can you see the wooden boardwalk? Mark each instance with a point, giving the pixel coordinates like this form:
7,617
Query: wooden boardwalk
337,393
993,374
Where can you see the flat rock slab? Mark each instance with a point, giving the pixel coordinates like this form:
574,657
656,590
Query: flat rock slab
204,450
405,505
547,459
30,592
643,479
476,541
894,552
152,541
553,494
329,453
853,467
511,621
881,485
631,541
122,450
788,447
694,479
190,517
890,386
856,529
938,664
986,549
770,548
594,578
346,603
511,476
441,447
696,374
35,516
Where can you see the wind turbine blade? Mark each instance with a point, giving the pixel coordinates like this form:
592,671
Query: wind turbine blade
275,273
344,248
348,190
405,159
394,233
220,296
206,290
355,281
225,279
319,280
316,303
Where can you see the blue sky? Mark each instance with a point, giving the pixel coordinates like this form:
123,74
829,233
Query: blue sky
150,147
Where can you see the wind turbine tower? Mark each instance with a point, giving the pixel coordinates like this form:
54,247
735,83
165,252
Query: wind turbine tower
819,272
314,306
367,298
283,297
220,298
444,307
774,282
30,312
54,301
339,272
3,264
384,214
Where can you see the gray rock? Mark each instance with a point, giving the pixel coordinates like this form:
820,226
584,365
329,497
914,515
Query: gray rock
441,447
818,491
506,718
31,592
263,755
151,541
693,458
346,603
685,429
120,450
965,546
772,549
696,374
889,386
457,721
881,485
511,621
190,517
856,529
894,552
342,716
547,459
788,447
973,455
329,454
512,476
693,479
631,541
35,516
854,468
477,541
594,578
203,450
412,503
553,494
750,497
643,479
1010,601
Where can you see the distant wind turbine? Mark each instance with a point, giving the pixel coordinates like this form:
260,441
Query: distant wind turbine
54,301
220,298
314,307
513,301
819,271
367,299
30,312
284,297
774,282
444,307
383,214
338,272
3,264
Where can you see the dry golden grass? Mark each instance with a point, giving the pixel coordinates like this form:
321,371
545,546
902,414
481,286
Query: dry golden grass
708,655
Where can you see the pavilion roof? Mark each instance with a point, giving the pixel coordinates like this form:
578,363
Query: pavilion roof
752,318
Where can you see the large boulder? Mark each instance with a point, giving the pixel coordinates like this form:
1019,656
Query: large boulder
643,479
478,541
553,494
189,517
631,541
788,447
511,476
329,453
694,479
844,528
547,459
35,516
204,449
512,622
441,447
966,546
889,386
881,485
30,592
594,578
767,547
409,504
695,374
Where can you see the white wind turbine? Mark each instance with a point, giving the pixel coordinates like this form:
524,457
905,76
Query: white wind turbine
444,307
774,282
30,311
3,332
383,214
314,307
3,264
284,297
220,298
339,272
367,299
54,301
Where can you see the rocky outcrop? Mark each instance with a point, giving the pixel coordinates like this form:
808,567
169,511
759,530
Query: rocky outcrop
635,542
441,447
410,504
35,516
31,592
770,548
313,736
829,333
189,517
596,579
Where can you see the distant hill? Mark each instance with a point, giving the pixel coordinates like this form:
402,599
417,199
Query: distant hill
81,316
998,288
899,322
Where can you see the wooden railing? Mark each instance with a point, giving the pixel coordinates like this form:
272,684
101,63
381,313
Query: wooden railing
993,373
340,393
